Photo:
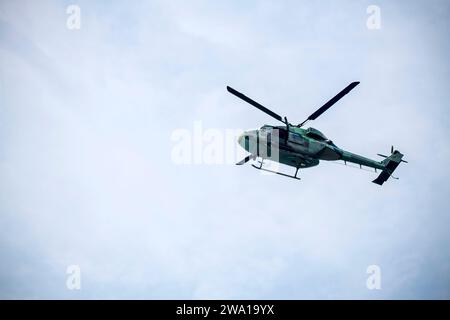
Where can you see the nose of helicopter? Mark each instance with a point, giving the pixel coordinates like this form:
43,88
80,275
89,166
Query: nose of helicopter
241,140
245,137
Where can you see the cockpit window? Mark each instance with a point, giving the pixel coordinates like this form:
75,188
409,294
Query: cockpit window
315,136
282,133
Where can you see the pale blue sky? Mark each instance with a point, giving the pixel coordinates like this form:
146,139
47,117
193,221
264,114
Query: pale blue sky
86,175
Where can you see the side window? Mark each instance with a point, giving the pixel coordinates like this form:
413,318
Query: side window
297,138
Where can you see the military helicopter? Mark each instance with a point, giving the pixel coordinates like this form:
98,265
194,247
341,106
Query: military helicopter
304,148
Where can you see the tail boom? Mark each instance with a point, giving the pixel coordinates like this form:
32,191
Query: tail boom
363,161
387,166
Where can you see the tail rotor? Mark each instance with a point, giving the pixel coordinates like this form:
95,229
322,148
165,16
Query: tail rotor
392,152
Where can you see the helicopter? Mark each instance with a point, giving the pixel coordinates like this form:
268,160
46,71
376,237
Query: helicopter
294,146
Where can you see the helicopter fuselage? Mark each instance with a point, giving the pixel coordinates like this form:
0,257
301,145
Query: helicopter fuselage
297,147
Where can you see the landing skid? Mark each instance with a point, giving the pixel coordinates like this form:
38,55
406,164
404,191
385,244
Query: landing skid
280,173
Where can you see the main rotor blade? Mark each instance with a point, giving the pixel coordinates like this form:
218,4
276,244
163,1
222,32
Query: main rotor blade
331,102
255,104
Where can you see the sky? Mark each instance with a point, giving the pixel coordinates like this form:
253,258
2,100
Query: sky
88,177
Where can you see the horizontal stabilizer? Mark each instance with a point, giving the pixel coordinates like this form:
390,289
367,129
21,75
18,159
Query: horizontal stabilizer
382,178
